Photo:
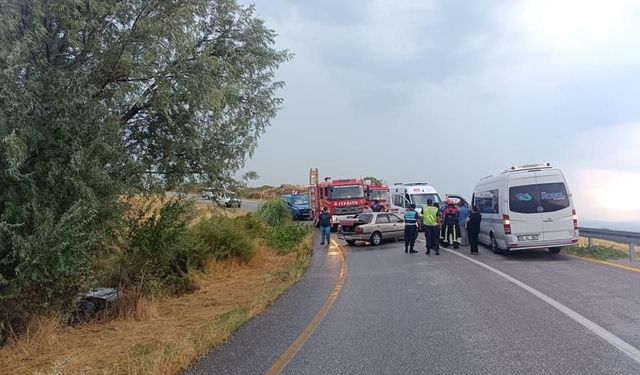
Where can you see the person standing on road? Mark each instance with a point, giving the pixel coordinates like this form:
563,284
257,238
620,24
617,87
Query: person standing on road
411,217
463,214
431,221
377,207
325,226
451,226
473,229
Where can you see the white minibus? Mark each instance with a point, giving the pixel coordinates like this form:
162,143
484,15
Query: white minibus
526,207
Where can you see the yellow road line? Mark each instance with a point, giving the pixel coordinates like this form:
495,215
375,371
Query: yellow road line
621,266
291,351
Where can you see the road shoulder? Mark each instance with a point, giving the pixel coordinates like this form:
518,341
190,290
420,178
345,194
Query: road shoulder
259,343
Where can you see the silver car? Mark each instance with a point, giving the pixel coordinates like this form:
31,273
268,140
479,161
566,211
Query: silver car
373,227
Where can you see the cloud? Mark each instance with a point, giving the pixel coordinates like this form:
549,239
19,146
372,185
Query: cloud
604,173
451,91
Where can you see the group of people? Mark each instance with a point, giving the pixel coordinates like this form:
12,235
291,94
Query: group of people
450,225
442,226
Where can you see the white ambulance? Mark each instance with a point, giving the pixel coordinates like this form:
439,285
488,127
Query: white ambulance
404,194
526,207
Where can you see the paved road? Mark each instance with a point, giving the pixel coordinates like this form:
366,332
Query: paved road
247,205
417,314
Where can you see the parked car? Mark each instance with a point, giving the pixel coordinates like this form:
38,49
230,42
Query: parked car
374,227
208,193
298,206
228,200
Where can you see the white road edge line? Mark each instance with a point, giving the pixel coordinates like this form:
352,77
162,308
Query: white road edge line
609,337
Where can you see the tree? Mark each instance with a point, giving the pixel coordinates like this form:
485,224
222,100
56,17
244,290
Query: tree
374,180
101,97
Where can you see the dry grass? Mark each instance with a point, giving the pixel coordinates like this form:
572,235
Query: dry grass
164,336
583,241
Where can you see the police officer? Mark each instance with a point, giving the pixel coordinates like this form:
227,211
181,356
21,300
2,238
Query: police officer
451,224
431,221
411,217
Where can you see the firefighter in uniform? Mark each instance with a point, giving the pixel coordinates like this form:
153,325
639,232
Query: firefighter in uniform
451,227
431,221
411,217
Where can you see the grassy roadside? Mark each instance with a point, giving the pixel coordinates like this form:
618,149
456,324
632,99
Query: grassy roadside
167,335
596,252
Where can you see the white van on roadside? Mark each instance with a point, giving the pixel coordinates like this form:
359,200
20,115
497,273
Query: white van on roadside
403,194
526,207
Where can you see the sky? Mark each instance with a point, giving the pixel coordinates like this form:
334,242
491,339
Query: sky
451,91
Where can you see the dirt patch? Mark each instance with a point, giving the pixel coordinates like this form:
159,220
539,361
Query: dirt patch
168,334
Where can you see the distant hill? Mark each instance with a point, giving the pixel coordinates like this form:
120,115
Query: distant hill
271,192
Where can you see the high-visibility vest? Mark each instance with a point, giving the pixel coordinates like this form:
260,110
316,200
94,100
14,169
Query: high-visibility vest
430,215
410,217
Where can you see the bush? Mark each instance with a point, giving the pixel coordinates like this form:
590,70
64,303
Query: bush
285,238
251,223
43,268
156,248
274,213
221,237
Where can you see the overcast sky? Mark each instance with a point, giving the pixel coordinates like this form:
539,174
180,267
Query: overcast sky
451,91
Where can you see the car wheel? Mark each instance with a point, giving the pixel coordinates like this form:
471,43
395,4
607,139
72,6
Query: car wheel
494,245
555,250
351,242
376,238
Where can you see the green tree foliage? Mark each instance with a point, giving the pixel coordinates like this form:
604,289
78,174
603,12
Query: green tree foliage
374,180
99,97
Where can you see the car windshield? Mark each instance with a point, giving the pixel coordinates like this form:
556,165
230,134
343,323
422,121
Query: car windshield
379,195
299,200
346,192
421,199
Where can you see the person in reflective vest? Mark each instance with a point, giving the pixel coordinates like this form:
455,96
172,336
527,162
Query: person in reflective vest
411,218
431,221
451,225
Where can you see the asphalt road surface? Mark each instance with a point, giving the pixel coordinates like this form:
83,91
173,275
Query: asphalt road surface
524,313
247,205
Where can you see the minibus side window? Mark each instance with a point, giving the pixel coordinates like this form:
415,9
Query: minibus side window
487,201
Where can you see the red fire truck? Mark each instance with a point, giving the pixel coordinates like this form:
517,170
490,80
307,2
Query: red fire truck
378,193
343,198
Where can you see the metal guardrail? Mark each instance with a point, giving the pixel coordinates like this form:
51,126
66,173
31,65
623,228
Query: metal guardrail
631,238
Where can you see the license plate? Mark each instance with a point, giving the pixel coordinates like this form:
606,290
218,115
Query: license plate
531,237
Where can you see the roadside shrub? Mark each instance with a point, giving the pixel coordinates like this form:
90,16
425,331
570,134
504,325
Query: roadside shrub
44,267
274,213
155,248
285,238
251,223
221,238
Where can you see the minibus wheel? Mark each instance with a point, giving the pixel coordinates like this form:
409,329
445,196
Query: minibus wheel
555,250
494,245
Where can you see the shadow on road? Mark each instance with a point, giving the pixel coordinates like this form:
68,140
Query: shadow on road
538,255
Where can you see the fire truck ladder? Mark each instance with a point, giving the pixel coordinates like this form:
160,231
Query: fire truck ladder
313,176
